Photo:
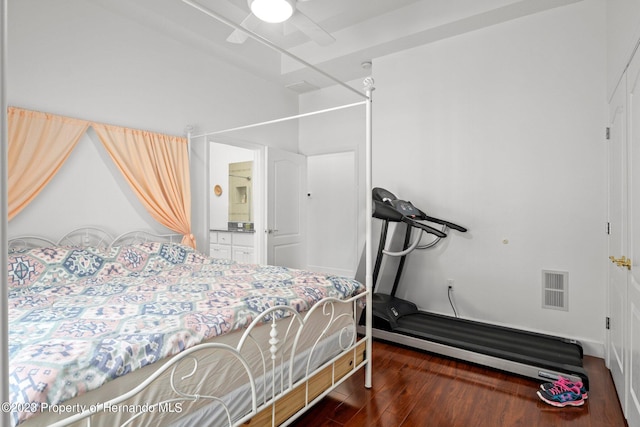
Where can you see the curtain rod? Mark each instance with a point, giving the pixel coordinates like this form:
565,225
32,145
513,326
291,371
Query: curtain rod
266,42
269,122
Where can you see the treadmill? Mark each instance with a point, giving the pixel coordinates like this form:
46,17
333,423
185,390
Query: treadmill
529,354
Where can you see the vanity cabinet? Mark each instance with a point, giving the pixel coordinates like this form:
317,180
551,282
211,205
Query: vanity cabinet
236,246
242,248
220,244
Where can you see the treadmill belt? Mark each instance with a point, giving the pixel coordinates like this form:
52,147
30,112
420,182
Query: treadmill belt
519,346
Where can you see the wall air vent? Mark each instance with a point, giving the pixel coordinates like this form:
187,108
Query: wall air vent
555,290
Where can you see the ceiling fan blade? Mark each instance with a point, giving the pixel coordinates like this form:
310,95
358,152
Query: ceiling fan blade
251,22
312,30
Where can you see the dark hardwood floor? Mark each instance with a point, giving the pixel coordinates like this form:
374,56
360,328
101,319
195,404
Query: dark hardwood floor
412,388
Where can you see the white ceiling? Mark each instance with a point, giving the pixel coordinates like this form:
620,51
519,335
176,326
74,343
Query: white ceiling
363,30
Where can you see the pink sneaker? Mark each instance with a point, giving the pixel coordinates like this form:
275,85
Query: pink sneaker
562,395
568,383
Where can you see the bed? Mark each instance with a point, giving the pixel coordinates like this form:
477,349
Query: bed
140,329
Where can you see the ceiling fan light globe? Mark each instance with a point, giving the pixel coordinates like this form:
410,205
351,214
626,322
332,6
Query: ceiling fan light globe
272,11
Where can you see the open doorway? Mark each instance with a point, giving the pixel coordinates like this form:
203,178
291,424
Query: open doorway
235,203
273,188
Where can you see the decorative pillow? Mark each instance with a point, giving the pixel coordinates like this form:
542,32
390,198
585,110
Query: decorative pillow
51,265
154,257
63,264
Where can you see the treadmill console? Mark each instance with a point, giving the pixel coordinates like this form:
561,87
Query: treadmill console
406,208
382,195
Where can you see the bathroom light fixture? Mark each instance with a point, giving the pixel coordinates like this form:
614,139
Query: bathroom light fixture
273,11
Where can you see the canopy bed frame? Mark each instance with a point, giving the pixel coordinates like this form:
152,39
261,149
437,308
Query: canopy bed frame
282,374
4,213
155,332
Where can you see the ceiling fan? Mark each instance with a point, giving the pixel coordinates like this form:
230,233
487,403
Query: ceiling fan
277,11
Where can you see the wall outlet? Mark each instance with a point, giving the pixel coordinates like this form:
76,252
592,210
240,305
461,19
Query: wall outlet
450,284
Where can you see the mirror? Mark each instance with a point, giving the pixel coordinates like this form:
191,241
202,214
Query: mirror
240,196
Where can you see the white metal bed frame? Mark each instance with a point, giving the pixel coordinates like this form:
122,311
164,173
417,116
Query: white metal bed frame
360,352
4,212
288,396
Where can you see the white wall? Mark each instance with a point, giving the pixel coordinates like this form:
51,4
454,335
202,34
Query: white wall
88,190
74,58
501,130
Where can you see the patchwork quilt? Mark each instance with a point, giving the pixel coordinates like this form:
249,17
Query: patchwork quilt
79,317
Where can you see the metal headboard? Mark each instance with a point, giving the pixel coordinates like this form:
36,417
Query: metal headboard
90,236
24,243
86,236
140,236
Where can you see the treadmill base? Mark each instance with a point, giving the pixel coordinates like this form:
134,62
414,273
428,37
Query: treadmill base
539,373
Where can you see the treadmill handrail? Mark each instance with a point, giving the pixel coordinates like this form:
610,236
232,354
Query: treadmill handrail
384,209
415,225
424,227
389,213
449,224
408,250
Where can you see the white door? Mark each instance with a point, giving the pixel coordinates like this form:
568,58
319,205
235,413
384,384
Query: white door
633,107
286,214
332,213
617,290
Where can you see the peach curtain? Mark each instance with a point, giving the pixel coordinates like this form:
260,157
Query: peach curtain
157,168
39,143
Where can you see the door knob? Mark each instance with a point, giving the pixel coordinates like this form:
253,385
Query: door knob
621,262
624,262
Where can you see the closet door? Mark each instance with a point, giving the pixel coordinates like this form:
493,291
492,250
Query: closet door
617,289
332,211
633,108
